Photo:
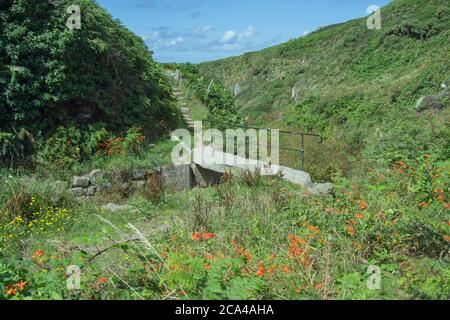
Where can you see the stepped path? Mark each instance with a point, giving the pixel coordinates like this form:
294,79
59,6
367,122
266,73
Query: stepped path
219,162
185,111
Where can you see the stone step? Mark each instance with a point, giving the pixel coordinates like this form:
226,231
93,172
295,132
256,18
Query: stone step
185,110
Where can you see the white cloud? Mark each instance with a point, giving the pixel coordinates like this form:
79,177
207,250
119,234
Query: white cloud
174,42
250,32
228,36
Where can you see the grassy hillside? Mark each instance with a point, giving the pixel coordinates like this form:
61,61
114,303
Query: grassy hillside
353,84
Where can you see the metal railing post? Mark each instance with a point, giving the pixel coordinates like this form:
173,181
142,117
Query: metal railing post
303,152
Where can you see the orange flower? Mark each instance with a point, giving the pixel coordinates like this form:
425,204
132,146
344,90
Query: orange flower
447,205
314,229
207,236
362,205
37,254
196,236
441,197
261,270
272,256
11,291
447,238
207,266
350,230
21,285
285,269
248,257
424,204
438,191
319,286
102,280
359,216
329,210
447,222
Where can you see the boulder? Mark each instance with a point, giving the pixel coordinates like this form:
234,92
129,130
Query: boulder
237,90
95,176
105,187
80,182
297,177
430,102
322,189
124,187
177,178
77,192
139,174
90,192
139,185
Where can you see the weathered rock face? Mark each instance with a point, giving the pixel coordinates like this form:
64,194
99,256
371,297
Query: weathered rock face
435,102
322,189
139,174
297,177
177,178
81,182
205,177
77,192
237,90
95,176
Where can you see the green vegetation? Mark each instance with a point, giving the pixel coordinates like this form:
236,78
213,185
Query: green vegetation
49,86
358,87
217,100
249,237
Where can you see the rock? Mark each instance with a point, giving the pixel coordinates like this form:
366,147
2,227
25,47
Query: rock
429,102
237,90
111,207
80,182
177,178
297,177
124,186
185,110
90,192
139,174
95,176
104,187
139,185
77,192
151,146
322,188
205,177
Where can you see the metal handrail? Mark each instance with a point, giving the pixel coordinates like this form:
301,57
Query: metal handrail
302,134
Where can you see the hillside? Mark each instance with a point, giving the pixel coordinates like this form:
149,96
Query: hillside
351,83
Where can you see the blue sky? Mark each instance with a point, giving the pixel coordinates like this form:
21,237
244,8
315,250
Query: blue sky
202,30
